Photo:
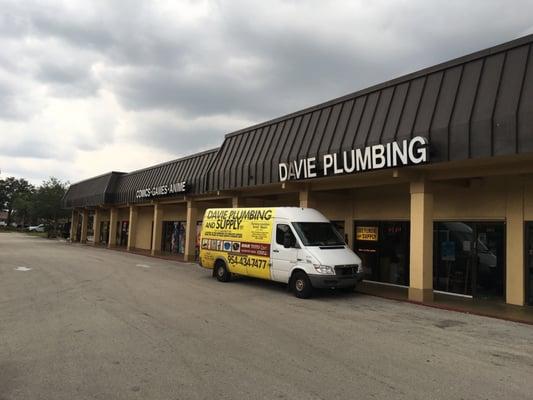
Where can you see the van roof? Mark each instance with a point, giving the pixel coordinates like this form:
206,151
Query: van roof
291,213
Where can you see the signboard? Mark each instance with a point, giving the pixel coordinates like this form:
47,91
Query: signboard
240,235
163,190
379,156
369,233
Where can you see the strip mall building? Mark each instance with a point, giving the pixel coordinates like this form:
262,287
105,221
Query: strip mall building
428,176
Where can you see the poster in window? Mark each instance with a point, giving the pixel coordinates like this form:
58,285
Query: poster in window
368,233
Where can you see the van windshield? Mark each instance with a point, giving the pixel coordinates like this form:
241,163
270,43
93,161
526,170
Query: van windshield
318,234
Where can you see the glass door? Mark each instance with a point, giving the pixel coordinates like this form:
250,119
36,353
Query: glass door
469,258
489,275
529,263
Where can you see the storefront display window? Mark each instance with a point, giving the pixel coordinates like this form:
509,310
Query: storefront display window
122,233
468,258
104,232
529,263
384,249
173,240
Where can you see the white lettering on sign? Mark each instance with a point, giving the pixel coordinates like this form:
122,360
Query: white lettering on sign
393,154
163,190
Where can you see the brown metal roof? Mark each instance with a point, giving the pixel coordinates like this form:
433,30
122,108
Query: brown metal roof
191,169
478,105
91,192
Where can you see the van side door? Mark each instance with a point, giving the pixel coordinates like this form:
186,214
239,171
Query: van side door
283,258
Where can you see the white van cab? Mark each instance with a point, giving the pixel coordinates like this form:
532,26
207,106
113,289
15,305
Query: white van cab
297,246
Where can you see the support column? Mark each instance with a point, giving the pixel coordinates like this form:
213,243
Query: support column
306,198
74,225
132,228
190,233
236,202
113,218
158,229
348,231
421,244
84,221
514,263
96,225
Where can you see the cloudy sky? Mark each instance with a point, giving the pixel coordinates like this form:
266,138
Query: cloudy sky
87,86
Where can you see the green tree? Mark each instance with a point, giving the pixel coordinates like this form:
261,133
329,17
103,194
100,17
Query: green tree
10,189
23,207
47,203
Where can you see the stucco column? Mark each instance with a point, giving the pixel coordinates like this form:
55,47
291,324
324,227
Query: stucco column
158,229
74,225
514,279
84,221
305,198
236,202
421,243
132,227
96,225
348,230
113,218
190,233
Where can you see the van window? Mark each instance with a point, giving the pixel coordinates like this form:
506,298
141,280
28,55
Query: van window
281,229
318,234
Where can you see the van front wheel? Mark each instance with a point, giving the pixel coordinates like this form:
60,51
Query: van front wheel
221,271
301,285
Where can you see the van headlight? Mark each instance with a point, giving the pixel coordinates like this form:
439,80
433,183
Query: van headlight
324,269
360,269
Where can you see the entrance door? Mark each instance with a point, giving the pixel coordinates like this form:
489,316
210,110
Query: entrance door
490,260
469,258
529,263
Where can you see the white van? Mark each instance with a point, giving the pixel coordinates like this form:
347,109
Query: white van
297,246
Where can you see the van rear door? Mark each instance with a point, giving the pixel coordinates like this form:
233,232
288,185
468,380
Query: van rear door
283,258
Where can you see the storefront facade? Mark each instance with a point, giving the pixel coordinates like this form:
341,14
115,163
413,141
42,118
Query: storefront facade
429,178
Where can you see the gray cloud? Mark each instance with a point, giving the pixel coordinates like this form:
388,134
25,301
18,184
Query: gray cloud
177,79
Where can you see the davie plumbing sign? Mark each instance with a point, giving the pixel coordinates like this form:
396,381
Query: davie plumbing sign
406,152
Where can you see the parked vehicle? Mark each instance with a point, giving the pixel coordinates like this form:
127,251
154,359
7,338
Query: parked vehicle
297,246
3,224
37,228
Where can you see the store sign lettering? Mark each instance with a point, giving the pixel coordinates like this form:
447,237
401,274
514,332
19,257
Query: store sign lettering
412,151
163,190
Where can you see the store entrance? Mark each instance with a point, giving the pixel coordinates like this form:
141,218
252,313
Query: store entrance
469,259
384,250
529,263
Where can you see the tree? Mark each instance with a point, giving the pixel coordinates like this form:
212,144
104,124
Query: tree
23,207
10,189
47,203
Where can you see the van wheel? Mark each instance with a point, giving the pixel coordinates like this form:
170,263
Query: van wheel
301,285
221,271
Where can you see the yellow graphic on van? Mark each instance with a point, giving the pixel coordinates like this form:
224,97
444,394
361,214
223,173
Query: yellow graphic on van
241,236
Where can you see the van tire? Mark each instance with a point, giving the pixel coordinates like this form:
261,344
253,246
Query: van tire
301,285
221,271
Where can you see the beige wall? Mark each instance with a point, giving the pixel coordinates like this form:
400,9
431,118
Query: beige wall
174,212
124,214
143,234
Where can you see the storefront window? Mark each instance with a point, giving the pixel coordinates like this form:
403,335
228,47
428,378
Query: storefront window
529,263
469,258
122,233
173,240
384,249
104,232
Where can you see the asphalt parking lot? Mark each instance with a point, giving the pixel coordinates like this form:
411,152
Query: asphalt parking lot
78,322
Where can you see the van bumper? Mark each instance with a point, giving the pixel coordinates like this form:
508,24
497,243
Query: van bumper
334,281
